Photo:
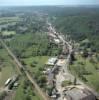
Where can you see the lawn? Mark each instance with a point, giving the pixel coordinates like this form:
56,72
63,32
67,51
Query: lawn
40,62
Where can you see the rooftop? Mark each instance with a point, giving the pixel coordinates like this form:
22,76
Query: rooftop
77,93
57,41
52,61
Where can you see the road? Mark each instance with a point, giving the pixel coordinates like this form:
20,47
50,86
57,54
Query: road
19,66
61,76
66,74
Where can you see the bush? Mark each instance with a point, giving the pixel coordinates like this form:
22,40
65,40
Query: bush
33,65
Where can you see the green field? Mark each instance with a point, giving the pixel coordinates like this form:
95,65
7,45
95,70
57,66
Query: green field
84,65
39,60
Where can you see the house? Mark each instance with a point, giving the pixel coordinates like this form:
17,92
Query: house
57,41
51,35
16,84
8,81
52,61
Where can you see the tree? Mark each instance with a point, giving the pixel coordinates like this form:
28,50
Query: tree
49,90
42,81
75,81
28,97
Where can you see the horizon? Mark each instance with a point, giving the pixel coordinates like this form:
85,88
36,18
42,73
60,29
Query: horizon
49,3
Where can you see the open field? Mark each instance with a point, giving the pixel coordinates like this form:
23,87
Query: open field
90,71
38,62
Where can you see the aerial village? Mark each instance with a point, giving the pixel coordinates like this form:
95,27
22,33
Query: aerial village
64,85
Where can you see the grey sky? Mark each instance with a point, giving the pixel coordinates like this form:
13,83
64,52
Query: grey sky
48,2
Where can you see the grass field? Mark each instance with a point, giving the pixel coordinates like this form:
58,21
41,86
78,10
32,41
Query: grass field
40,60
92,78
8,69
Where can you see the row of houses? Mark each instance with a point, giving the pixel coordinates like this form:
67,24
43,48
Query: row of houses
52,67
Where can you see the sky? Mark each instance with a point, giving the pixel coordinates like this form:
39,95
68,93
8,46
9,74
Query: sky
47,2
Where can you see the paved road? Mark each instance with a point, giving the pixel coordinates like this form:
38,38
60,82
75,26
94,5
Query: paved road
19,65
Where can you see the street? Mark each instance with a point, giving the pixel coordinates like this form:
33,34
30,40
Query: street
64,73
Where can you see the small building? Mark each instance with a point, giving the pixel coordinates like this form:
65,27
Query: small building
57,41
8,81
78,93
51,35
52,61
11,81
16,84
